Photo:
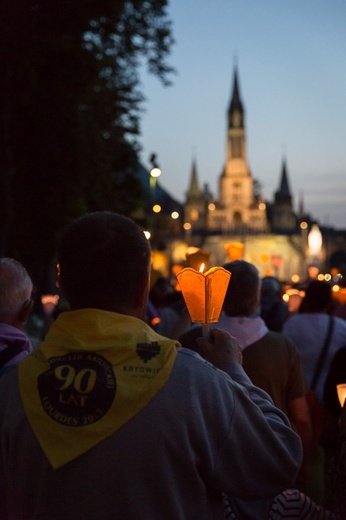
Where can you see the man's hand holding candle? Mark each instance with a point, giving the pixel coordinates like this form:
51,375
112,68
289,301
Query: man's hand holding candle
221,349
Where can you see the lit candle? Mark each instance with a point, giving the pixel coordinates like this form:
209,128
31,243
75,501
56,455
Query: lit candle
341,390
204,293
235,250
195,257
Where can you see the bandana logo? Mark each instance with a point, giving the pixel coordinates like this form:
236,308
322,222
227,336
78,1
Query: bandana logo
147,351
78,389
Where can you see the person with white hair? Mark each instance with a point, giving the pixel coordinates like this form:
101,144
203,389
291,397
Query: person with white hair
15,307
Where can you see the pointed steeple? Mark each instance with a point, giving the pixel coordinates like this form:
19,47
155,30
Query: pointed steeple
284,188
195,205
301,209
235,109
283,193
236,103
283,218
193,191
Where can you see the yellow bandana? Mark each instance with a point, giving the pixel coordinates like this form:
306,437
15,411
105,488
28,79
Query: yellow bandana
93,373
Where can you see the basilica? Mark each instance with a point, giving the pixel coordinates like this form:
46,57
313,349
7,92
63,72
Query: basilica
269,233
240,205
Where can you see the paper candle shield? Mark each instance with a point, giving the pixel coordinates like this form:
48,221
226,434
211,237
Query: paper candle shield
196,258
341,391
204,293
235,250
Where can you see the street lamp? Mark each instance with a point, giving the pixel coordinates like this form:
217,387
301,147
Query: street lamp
155,173
315,242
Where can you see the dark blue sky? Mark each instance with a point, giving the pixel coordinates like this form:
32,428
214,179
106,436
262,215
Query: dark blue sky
291,57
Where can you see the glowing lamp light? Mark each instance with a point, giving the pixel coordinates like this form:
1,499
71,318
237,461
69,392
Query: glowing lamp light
47,299
194,215
49,302
235,251
264,257
295,278
196,257
155,172
341,390
276,261
315,240
159,262
339,294
155,321
313,271
294,298
204,293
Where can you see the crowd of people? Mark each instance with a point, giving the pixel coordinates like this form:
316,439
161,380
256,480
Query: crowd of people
126,410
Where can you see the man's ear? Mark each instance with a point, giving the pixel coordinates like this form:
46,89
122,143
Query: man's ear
142,293
25,311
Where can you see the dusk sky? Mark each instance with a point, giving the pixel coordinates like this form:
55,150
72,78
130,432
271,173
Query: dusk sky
291,59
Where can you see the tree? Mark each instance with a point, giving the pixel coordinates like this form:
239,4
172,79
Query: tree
71,104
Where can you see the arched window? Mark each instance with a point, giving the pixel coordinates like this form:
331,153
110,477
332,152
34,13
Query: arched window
237,219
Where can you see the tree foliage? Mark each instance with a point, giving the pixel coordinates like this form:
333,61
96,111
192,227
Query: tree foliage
70,115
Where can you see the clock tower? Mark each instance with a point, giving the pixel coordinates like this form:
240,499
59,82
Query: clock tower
239,206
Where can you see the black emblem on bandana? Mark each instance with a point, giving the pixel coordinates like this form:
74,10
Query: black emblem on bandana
147,351
78,389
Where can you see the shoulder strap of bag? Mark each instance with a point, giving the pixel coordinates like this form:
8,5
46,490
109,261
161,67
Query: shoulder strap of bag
323,353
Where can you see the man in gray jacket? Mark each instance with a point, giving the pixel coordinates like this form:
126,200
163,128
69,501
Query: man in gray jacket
107,419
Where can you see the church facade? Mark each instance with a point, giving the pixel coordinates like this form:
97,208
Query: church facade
240,205
270,232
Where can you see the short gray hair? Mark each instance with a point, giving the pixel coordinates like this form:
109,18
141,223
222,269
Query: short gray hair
15,284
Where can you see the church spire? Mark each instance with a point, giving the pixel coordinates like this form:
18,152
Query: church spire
283,217
283,192
195,205
193,191
236,104
301,206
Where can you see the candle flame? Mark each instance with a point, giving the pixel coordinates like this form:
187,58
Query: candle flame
201,269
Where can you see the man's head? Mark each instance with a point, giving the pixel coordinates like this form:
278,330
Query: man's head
270,289
270,285
104,263
318,297
15,293
242,297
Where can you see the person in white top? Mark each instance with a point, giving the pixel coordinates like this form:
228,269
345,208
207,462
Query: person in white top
308,329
